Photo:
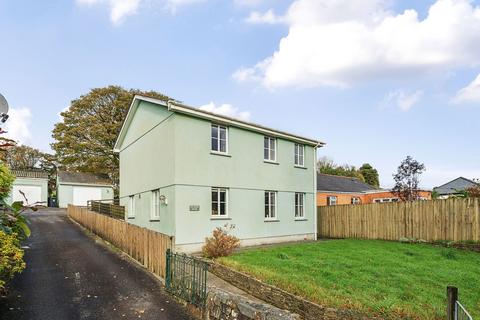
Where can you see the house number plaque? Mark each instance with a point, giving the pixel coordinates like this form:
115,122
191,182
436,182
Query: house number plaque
194,208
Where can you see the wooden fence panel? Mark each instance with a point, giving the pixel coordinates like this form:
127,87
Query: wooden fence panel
453,219
146,246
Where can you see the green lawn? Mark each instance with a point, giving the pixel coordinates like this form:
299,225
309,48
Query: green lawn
392,279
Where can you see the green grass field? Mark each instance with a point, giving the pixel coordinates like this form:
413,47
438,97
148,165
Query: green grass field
391,279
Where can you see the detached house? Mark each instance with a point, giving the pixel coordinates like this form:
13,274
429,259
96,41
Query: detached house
184,172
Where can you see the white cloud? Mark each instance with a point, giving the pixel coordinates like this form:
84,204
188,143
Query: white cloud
268,17
226,110
401,99
341,42
18,125
470,93
121,9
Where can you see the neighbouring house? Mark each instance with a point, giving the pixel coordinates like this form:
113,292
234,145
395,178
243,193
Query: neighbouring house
336,190
454,187
78,187
30,186
185,172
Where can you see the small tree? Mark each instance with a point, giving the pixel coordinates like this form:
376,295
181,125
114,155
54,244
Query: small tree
370,174
407,179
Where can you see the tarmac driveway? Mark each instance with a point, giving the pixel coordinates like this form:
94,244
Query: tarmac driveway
70,276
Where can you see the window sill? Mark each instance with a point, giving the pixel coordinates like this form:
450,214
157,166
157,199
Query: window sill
300,167
301,219
271,162
130,217
154,220
271,220
220,218
215,153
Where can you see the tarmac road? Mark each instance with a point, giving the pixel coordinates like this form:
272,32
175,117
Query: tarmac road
70,276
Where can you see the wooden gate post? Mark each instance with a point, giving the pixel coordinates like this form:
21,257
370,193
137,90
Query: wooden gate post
452,297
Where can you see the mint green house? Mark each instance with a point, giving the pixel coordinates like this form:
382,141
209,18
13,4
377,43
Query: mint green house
184,172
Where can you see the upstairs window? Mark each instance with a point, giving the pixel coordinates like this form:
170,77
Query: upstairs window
331,200
219,202
355,200
219,138
299,154
299,205
270,149
155,205
270,205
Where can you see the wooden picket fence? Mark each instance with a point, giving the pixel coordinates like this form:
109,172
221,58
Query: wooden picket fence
146,246
453,219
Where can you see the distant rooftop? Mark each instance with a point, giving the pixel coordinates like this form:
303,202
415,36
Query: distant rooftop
455,186
30,173
327,182
83,177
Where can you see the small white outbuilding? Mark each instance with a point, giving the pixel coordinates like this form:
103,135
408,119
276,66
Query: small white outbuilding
78,188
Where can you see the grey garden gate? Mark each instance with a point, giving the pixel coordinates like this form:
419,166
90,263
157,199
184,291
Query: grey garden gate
186,278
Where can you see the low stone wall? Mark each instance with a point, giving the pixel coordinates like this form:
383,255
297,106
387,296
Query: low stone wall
280,298
223,305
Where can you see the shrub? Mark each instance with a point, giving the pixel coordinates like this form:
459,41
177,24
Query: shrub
6,181
221,244
11,258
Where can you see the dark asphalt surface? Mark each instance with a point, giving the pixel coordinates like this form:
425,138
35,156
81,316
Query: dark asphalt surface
70,276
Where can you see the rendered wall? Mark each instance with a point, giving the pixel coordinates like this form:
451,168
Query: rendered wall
65,193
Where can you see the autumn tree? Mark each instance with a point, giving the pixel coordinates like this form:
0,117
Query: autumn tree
84,140
407,179
370,174
25,157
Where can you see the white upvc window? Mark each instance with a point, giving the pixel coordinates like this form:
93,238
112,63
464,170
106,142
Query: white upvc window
299,155
270,205
219,138
155,211
299,205
331,200
131,206
356,200
219,202
270,149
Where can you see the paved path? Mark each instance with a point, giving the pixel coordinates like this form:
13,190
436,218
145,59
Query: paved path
70,276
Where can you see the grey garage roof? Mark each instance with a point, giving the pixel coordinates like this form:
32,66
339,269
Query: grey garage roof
82,178
327,182
455,186
30,173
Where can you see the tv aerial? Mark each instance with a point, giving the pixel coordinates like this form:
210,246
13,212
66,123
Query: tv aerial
3,109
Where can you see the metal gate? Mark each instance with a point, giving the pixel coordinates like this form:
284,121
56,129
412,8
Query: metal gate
461,313
186,277
455,310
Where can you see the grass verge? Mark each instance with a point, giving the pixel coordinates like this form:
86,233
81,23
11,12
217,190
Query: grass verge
396,280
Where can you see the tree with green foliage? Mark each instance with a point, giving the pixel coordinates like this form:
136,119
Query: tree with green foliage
84,140
370,174
6,181
407,179
25,157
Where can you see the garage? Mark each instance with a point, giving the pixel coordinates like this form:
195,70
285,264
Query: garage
78,188
30,187
27,194
81,195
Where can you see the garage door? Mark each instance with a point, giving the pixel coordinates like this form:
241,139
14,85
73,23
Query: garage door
82,194
32,193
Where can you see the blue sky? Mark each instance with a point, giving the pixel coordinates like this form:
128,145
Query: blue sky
377,80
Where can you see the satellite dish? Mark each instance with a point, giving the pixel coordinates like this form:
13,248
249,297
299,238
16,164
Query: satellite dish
3,109
3,105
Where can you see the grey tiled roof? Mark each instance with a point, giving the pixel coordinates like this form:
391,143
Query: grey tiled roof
30,173
326,182
455,186
82,177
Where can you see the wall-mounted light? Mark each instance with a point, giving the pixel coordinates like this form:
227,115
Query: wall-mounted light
163,200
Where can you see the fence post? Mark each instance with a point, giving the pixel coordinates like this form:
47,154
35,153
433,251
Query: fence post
452,297
167,268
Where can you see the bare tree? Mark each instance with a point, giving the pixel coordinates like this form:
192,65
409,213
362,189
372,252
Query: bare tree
407,179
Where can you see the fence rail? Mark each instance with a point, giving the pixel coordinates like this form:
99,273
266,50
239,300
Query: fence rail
451,219
146,246
107,207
